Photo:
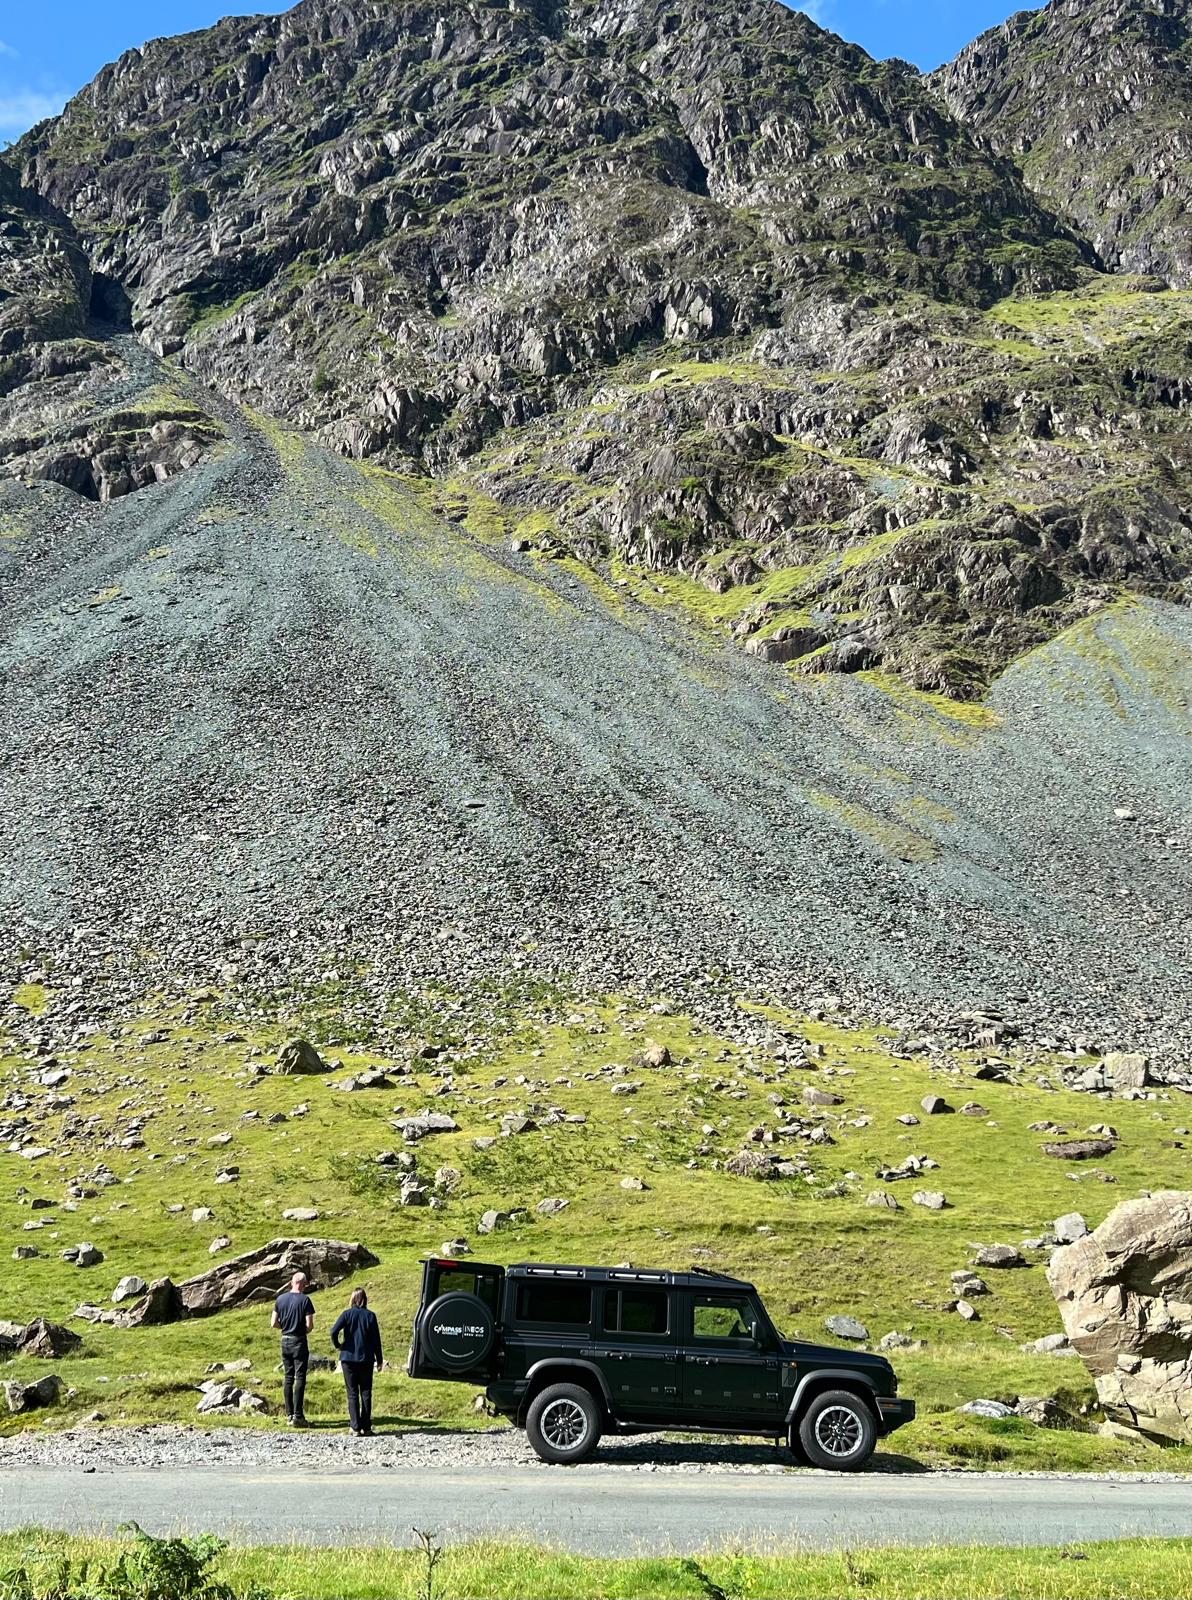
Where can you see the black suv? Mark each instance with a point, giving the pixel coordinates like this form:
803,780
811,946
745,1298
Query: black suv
568,1352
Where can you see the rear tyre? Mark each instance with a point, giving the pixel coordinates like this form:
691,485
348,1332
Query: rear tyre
564,1424
837,1432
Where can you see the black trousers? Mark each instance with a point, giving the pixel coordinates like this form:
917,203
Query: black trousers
358,1376
295,1354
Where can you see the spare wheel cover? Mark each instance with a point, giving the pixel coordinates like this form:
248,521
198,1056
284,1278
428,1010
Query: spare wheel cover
458,1331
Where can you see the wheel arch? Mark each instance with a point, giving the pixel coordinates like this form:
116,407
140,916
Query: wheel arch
825,1378
553,1369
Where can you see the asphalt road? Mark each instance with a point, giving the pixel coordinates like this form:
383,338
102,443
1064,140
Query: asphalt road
598,1512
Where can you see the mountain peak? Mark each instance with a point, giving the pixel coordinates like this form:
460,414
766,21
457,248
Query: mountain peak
1093,98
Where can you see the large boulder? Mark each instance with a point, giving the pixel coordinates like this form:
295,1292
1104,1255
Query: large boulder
48,1341
262,1274
33,1396
1125,1295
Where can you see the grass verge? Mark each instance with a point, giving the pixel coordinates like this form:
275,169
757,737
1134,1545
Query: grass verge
1129,1569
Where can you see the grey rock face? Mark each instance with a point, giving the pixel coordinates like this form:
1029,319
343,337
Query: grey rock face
1126,1070
521,206
1094,99
1125,1295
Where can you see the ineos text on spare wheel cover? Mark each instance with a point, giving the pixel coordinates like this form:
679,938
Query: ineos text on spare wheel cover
458,1332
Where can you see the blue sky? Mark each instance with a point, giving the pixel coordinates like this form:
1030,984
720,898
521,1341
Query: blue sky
50,48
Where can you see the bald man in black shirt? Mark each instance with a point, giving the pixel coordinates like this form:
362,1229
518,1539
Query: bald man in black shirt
294,1314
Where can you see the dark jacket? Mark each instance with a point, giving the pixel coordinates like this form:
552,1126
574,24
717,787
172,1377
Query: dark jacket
357,1335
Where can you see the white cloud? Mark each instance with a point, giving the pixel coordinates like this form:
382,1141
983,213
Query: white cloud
7,50
21,108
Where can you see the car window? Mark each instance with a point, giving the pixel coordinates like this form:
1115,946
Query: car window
553,1301
722,1316
485,1285
636,1311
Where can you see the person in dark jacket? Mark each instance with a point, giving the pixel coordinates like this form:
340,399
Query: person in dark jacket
357,1337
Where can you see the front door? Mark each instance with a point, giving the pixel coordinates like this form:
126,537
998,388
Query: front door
635,1350
729,1379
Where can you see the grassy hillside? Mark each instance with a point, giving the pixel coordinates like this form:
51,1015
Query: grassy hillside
182,1076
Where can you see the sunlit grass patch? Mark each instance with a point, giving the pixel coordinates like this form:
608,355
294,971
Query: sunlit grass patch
1131,1569
187,1074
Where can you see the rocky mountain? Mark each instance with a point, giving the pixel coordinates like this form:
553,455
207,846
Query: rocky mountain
1093,100
406,416
714,297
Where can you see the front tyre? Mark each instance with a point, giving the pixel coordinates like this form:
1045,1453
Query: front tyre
564,1424
837,1432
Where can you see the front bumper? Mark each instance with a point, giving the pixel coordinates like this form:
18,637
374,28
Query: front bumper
893,1412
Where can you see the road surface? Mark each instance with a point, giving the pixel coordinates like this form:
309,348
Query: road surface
596,1512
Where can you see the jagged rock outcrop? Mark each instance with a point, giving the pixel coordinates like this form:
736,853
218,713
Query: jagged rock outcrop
58,364
708,293
262,1274
1093,99
1125,1296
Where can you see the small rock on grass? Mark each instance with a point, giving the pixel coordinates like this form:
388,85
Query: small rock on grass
994,1409
932,1199
998,1255
1070,1227
845,1327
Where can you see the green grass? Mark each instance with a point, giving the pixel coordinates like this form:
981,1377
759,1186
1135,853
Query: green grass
1102,311
1129,1569
814,1248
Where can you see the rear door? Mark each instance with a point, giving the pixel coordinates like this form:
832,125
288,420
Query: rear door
636,1350
480,1278
730,1378
479,1281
